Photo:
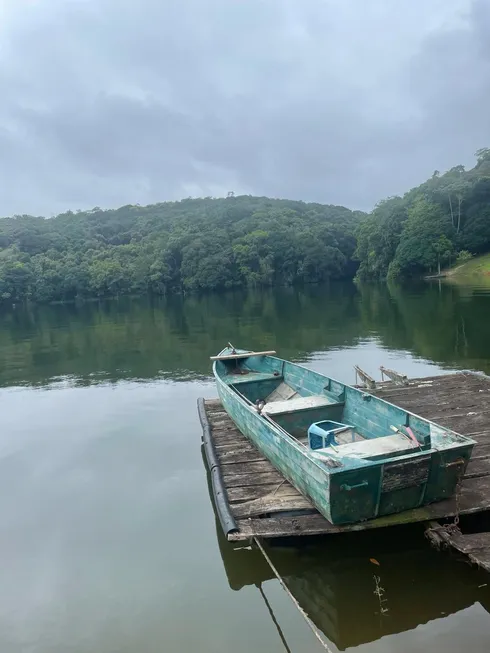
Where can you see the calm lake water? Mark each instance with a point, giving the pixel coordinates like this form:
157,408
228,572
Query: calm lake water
108,538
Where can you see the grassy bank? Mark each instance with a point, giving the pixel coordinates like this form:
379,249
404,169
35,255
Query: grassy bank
475,271
478,266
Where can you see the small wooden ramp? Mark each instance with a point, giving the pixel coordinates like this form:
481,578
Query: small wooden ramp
475,546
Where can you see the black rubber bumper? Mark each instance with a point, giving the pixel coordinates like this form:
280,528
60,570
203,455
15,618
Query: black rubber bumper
227,521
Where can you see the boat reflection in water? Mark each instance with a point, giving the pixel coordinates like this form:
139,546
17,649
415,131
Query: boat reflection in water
334,580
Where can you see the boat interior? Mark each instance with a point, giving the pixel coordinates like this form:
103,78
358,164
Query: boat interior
330,418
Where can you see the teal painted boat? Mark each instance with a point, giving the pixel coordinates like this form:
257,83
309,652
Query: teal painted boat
355,456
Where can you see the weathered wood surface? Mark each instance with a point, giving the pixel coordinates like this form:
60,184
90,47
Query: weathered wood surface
248,354
298,403
396,377
364,376
475,546
259,495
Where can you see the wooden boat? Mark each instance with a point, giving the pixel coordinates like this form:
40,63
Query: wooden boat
355,456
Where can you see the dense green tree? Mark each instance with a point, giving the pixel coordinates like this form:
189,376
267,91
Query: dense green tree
409,236
16,275
195,245
200,245
379,236
424,242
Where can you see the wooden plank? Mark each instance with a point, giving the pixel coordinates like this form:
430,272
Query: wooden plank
212,405
452,409
481,437
461,378
271,492
224,424
234,446
234,456
425,389
478,467
296,404
444,381
225,427
472,542
476,546
252,479
396,377
283,392
369,381
273,505
229,438
442,402
480,451
216,418
462,423
375,446
282,527
475,497
230,357
424,394
254,467
462,400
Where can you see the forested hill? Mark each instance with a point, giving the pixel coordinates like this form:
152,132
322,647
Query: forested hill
212,244
187,246
442,221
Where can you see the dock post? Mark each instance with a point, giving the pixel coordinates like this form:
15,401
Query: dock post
400,379
364,376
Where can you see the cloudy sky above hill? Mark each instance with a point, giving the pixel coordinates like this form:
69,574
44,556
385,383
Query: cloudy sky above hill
109,102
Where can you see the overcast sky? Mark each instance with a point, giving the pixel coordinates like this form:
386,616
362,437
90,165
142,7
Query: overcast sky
110,102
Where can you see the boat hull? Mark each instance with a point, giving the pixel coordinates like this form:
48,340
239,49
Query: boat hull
349,495
286,456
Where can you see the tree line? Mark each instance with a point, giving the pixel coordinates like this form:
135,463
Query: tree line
199,245
444,220
175,247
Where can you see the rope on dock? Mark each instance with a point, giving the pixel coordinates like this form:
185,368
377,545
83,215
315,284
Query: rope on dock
310,623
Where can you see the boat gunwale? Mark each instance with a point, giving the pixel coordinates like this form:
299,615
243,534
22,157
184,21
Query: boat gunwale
356,463
467,439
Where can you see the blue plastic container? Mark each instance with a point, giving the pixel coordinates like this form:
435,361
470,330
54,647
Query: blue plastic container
322,434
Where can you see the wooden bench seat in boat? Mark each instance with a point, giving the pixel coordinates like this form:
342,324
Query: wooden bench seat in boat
383,446
283,392
297,404
235,379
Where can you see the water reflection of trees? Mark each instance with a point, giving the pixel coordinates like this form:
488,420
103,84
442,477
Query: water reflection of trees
442,323
173,337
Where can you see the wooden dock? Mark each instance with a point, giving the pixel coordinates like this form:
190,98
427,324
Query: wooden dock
255,500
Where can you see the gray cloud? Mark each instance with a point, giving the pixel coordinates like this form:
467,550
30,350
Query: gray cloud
107,102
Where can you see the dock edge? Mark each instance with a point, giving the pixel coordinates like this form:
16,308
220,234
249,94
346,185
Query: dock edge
228,523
